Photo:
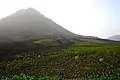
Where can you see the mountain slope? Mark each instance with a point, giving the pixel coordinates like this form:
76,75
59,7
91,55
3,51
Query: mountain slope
30,24
115,38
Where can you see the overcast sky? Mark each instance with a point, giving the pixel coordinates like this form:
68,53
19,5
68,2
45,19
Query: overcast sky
99,18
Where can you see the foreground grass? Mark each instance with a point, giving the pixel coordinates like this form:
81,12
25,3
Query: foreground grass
27,77
81,61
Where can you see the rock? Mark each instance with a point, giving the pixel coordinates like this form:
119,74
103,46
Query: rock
39,56
76,57
101,59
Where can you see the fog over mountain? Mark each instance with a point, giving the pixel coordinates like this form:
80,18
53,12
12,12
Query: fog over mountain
30,24
115,38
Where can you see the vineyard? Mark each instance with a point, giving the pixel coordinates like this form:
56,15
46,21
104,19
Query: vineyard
79,61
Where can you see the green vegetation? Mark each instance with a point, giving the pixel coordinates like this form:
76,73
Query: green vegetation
27,77
88,48
81,61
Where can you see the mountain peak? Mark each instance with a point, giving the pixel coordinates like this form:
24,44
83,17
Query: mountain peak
27,23
23,14
29,10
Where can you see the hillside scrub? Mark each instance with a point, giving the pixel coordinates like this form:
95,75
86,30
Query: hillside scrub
93,61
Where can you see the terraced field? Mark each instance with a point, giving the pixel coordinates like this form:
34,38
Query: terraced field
80,61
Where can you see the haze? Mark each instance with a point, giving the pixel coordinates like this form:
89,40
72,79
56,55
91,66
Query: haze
85,17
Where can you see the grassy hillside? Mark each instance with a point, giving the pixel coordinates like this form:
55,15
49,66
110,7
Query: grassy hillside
81,61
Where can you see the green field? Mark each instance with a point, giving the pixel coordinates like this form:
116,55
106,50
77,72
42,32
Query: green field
79,61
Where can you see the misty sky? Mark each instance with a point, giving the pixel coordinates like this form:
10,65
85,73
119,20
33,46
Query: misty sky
85,17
